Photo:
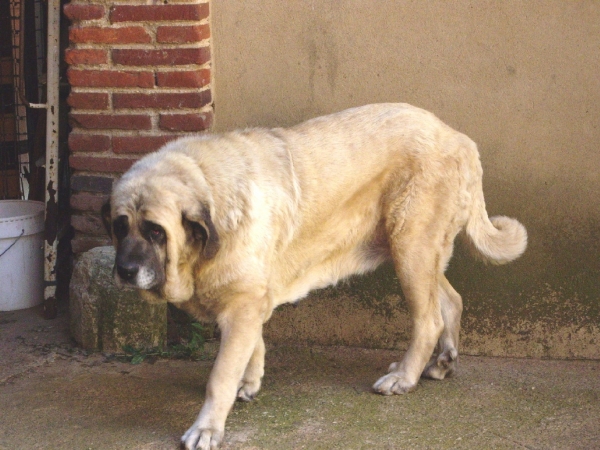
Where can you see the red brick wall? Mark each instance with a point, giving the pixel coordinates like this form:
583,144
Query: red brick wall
140,76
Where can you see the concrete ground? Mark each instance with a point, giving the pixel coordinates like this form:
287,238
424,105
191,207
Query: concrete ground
54,396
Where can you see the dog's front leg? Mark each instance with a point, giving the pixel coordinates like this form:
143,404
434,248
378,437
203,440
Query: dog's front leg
241,330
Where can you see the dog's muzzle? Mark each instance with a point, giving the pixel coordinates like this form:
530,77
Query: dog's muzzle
136,275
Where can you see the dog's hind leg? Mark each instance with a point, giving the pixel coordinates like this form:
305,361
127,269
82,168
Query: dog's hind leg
250,384
417,269
444,363
421,225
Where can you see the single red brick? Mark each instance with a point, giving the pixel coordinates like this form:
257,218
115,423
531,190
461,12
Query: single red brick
186,78
84,201
182,34
89,142
185,122
106,35
88,100
111,121
92,183
151,13
172,56
162,100
88,223
140,144
77,12
82,243
110,78
100,164
85,56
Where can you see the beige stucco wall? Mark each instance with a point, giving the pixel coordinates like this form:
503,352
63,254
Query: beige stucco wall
521,78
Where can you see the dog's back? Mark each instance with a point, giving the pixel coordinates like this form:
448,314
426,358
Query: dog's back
361,173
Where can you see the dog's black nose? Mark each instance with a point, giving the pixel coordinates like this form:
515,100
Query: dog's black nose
127,272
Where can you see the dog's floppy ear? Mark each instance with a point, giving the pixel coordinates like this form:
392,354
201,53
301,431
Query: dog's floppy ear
106,219
202,229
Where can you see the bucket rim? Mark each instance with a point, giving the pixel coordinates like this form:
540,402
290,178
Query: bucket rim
23,216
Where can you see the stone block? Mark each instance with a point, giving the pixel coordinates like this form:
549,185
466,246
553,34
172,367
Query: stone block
105,317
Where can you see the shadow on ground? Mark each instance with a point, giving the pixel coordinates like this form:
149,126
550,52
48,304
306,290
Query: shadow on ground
53,396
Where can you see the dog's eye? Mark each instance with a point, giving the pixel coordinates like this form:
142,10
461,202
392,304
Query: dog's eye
155,232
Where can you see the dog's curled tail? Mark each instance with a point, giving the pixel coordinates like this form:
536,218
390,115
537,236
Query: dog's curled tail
495,240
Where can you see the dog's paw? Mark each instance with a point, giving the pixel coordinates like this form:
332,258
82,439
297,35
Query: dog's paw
394,383
442,366
248,390
197,438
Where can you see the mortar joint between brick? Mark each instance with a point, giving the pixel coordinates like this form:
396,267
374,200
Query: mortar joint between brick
202,110
85,131
154,120
160,90
140,133
100,22
89,46
159,46
156,67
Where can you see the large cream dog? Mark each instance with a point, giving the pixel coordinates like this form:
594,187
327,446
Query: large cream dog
230,226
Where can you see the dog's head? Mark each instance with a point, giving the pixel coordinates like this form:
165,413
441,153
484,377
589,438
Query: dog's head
159,218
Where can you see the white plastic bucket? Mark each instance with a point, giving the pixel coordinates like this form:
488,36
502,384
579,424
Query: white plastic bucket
21,254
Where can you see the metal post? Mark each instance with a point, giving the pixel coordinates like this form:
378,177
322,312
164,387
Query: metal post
51,222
